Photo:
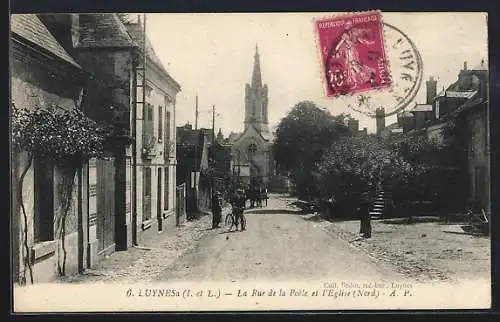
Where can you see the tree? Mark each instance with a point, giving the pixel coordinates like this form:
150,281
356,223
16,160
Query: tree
444,182
301,139
358,164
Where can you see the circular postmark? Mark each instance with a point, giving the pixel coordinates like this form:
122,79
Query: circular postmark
406,72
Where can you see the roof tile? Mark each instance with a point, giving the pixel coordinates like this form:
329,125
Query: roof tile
31,28
103,30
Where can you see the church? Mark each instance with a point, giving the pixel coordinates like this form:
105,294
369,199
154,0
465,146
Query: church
251,151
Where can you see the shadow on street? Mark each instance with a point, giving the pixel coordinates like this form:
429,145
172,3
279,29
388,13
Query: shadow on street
272,211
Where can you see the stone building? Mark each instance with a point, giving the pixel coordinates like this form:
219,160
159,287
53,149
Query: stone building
251,150
95,63
192,157
467,99
43,73
153,155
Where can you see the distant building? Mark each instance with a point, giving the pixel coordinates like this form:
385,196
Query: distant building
251,150
380,119
467,98
192,157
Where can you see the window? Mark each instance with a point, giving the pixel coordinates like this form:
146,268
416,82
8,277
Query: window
160,123
167,189
167,136
43,222
148,126
437,110
252,148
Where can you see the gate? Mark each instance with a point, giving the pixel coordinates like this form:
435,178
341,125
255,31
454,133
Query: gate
105,194
180,196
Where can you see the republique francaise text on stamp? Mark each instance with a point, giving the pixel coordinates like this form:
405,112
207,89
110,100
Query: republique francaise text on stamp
353,53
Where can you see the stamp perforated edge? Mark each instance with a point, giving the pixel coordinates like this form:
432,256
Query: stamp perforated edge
319,56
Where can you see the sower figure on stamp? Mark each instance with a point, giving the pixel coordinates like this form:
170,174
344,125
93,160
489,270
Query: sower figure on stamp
365,228
216,209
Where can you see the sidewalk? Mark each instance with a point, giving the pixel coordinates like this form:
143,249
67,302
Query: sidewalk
145,262
425,250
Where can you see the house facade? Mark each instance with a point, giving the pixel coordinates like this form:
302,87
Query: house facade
153,155
44,74
465,105
192,157
95,63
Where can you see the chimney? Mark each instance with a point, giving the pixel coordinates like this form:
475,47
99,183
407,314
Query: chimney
353,124
465,65
75,29
431,89
380,118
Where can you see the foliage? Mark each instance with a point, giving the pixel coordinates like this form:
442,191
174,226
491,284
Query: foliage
361,163
63,135
207,177
301,139
67,137
417,148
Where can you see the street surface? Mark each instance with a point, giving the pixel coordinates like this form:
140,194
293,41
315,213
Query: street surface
281,244
278,244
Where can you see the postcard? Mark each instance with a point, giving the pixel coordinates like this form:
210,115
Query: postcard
169,162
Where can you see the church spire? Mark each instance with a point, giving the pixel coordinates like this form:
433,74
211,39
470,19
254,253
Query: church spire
256,77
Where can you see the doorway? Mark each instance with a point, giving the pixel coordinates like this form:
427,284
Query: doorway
158,201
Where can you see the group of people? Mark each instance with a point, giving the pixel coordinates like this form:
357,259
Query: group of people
238,201
257,195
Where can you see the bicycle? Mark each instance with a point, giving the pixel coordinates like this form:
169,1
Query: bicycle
477,221
232,219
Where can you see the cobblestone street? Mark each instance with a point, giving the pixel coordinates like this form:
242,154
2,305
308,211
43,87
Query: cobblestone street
143,263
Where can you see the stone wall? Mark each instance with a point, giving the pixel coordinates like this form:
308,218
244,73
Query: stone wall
39,82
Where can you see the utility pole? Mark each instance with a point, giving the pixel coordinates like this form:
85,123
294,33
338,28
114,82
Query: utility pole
196,143
213,123
196,114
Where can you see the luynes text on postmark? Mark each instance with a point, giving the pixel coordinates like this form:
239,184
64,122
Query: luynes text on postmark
406,76
353,53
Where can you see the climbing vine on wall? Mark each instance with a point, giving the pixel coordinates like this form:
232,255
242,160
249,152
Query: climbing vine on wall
69,138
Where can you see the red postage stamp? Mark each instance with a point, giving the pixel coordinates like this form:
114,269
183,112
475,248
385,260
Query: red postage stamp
353,53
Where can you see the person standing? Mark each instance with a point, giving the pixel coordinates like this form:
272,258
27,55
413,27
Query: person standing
365,228
216,209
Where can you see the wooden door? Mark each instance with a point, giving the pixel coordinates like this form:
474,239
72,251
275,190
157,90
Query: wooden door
105,203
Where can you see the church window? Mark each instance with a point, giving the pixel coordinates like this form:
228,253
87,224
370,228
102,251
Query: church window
252,148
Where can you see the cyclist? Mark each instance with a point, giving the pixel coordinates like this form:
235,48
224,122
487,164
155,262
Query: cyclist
238,207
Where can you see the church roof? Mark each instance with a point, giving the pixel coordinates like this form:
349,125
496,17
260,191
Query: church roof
233,137
256,74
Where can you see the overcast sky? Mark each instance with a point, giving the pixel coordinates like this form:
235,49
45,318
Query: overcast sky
212,55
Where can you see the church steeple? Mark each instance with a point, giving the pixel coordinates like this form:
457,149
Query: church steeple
256,76
256,99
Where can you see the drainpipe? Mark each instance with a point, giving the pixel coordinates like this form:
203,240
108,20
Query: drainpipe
174,172
134,154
